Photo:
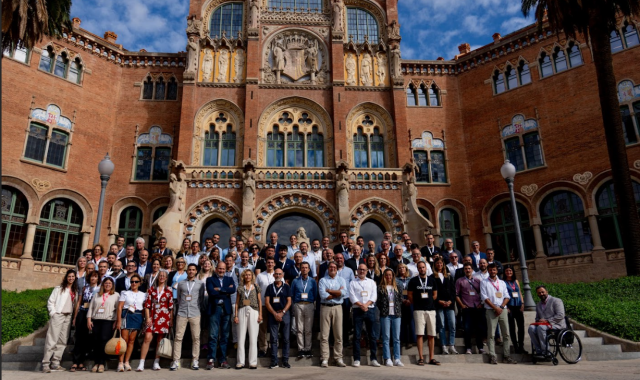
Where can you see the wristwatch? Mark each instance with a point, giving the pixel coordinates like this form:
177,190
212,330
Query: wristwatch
504,307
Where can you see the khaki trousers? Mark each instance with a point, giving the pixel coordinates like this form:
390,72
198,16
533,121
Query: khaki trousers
56,340
262,334
248,322
181,327
492,322
304,324
331,316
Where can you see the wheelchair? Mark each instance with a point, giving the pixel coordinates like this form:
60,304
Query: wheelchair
560,341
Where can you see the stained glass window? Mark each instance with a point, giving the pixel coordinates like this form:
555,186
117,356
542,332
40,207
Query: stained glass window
503,236
438,172
36,142
360,150
421,160
14,214
275,148
143,164
295,149
565,229
228,154
315,149
361,23
211,146
608,221
161,164
533,150
227,18
160,87
514,152
57,148
58,237
377,149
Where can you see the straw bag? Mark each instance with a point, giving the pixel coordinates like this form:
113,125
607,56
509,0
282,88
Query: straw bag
115,346
165,348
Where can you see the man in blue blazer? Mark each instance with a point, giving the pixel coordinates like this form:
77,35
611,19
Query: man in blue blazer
476,255
219,289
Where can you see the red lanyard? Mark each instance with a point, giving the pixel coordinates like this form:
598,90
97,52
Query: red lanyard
73,297
512,286
104,298
494,285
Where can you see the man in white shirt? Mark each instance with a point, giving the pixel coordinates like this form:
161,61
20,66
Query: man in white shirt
233,272
495,296
263,280
363,294
316,251
476,255
121,248
308,258
453,263
416,257
144,266
192,258
370,250
483,273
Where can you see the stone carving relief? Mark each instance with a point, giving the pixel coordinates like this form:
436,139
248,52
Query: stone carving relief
295,56
583,179
194,27
365,64
342,186
207,66
366,70
41,184
338,16
239,66
254,14
192,55
301,234
248,196
216,207
393,31
223,65
223,59
416,223
351,70
529,190
382,68
169,224
381,210
396,69
301,17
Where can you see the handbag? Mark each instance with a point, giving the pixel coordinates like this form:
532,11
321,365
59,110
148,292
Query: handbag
115,345
165,347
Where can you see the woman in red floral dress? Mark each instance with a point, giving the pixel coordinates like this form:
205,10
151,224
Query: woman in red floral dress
158,316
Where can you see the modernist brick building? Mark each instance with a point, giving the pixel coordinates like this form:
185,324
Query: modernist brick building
284,114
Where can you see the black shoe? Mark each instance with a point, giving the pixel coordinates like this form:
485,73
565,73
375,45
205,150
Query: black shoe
262,354
285,364
224,365
309,354
301,354
273,365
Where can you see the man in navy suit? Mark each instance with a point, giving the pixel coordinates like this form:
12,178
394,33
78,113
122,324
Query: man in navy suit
220,289
476,255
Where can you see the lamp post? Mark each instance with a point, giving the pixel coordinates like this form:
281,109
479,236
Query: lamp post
105,168
508,172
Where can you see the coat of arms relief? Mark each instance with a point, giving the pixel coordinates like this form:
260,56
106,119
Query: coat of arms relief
295,57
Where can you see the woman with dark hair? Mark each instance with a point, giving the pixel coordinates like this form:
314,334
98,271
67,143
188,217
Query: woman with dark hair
390,305
60,305
130,318
101,320
516,309
383,263
445,313
98,254
214,256
150,278
158,311
81,346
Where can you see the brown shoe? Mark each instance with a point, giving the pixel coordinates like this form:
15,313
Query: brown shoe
508,360
493,360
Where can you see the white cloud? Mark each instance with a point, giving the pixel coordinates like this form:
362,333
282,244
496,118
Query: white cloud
513,24
474,24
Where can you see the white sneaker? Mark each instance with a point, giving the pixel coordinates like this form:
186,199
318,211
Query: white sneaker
388,363
452,350
398,363
356,363
374,363
194,365
175,365
156,365
140,366
324,364
468,352
340,363
445,350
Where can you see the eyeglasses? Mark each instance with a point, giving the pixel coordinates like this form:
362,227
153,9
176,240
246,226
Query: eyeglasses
363,270
277,274
135,282
180,262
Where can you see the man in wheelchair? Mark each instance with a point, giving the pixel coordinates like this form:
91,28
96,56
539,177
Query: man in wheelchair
549,320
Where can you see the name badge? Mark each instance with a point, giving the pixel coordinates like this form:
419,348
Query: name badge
515,295
364,294
101,310
132,309
175,286
424,295
188,297
304,296
472,293
246,303
276,299
499,294
404,292
85,305
391,304
157,306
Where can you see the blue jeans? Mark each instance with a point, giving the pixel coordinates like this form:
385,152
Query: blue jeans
448,318
274,329
390,327
367,318
219,332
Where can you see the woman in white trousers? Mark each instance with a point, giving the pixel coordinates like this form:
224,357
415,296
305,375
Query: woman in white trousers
61,305
248,317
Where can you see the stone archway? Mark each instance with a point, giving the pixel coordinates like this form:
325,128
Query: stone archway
301,202
208,209
380,210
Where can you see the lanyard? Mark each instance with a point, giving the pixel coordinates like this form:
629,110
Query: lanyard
189,289
253,261
423,285
135,298
512,286
494,284
159,291
297,272
279,290
471,283
284,264
431,249
247,293
304,288
104,298
153,278
371,273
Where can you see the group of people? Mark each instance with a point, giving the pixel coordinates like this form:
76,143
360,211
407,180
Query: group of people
354,295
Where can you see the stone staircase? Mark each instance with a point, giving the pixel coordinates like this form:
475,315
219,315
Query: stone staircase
28,358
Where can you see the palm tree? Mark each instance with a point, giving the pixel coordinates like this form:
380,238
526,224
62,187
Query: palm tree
596,19
26,22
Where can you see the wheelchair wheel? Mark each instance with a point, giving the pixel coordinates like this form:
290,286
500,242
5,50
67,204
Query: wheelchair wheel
553,346
570,347
554,361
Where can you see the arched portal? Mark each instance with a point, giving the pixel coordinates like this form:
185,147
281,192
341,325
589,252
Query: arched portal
216,226
287,224
372,229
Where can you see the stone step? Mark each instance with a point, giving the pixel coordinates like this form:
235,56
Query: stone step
599,356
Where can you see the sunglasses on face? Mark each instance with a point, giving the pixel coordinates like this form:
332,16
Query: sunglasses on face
135,282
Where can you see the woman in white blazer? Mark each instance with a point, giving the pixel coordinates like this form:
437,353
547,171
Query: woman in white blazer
61,305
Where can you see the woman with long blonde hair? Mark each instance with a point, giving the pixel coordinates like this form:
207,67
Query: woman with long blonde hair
248,316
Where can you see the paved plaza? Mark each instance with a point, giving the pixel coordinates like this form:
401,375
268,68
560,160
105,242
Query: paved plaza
588,370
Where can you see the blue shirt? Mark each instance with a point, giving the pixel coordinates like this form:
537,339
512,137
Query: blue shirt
283,292
225,251
336,283
347,275
291,251
308,286
174,283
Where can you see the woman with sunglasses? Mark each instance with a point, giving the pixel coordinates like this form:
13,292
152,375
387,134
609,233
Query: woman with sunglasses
158,316
101,321
81,346
130,318
254,257
176,276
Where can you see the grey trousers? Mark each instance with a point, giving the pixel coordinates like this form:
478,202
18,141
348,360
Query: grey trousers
492,322
304,324
56,340
538,336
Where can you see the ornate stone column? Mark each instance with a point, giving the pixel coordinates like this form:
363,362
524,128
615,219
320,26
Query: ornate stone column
467,244
85,240
487,236
595,231
537,236
27,253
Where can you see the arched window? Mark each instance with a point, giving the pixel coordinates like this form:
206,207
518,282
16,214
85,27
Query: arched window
60,68
227,18
41,148
522,143
429,157
172,89
498,82
377,149
626,98
295,148
160,89
546,67
575,58
46,59
434,96
58,237
361,23
422,96
630,35
524,73
211,147
361,149
450,227
438,171
20,54
153,155
315,149
421,159
75,71
275,148
411,96
565,229
130,224
156,215
512,77
147,89
15,208
608,223
228,154
560,60
616,41
503,236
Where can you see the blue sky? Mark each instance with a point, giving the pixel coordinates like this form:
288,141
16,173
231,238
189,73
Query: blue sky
429,28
